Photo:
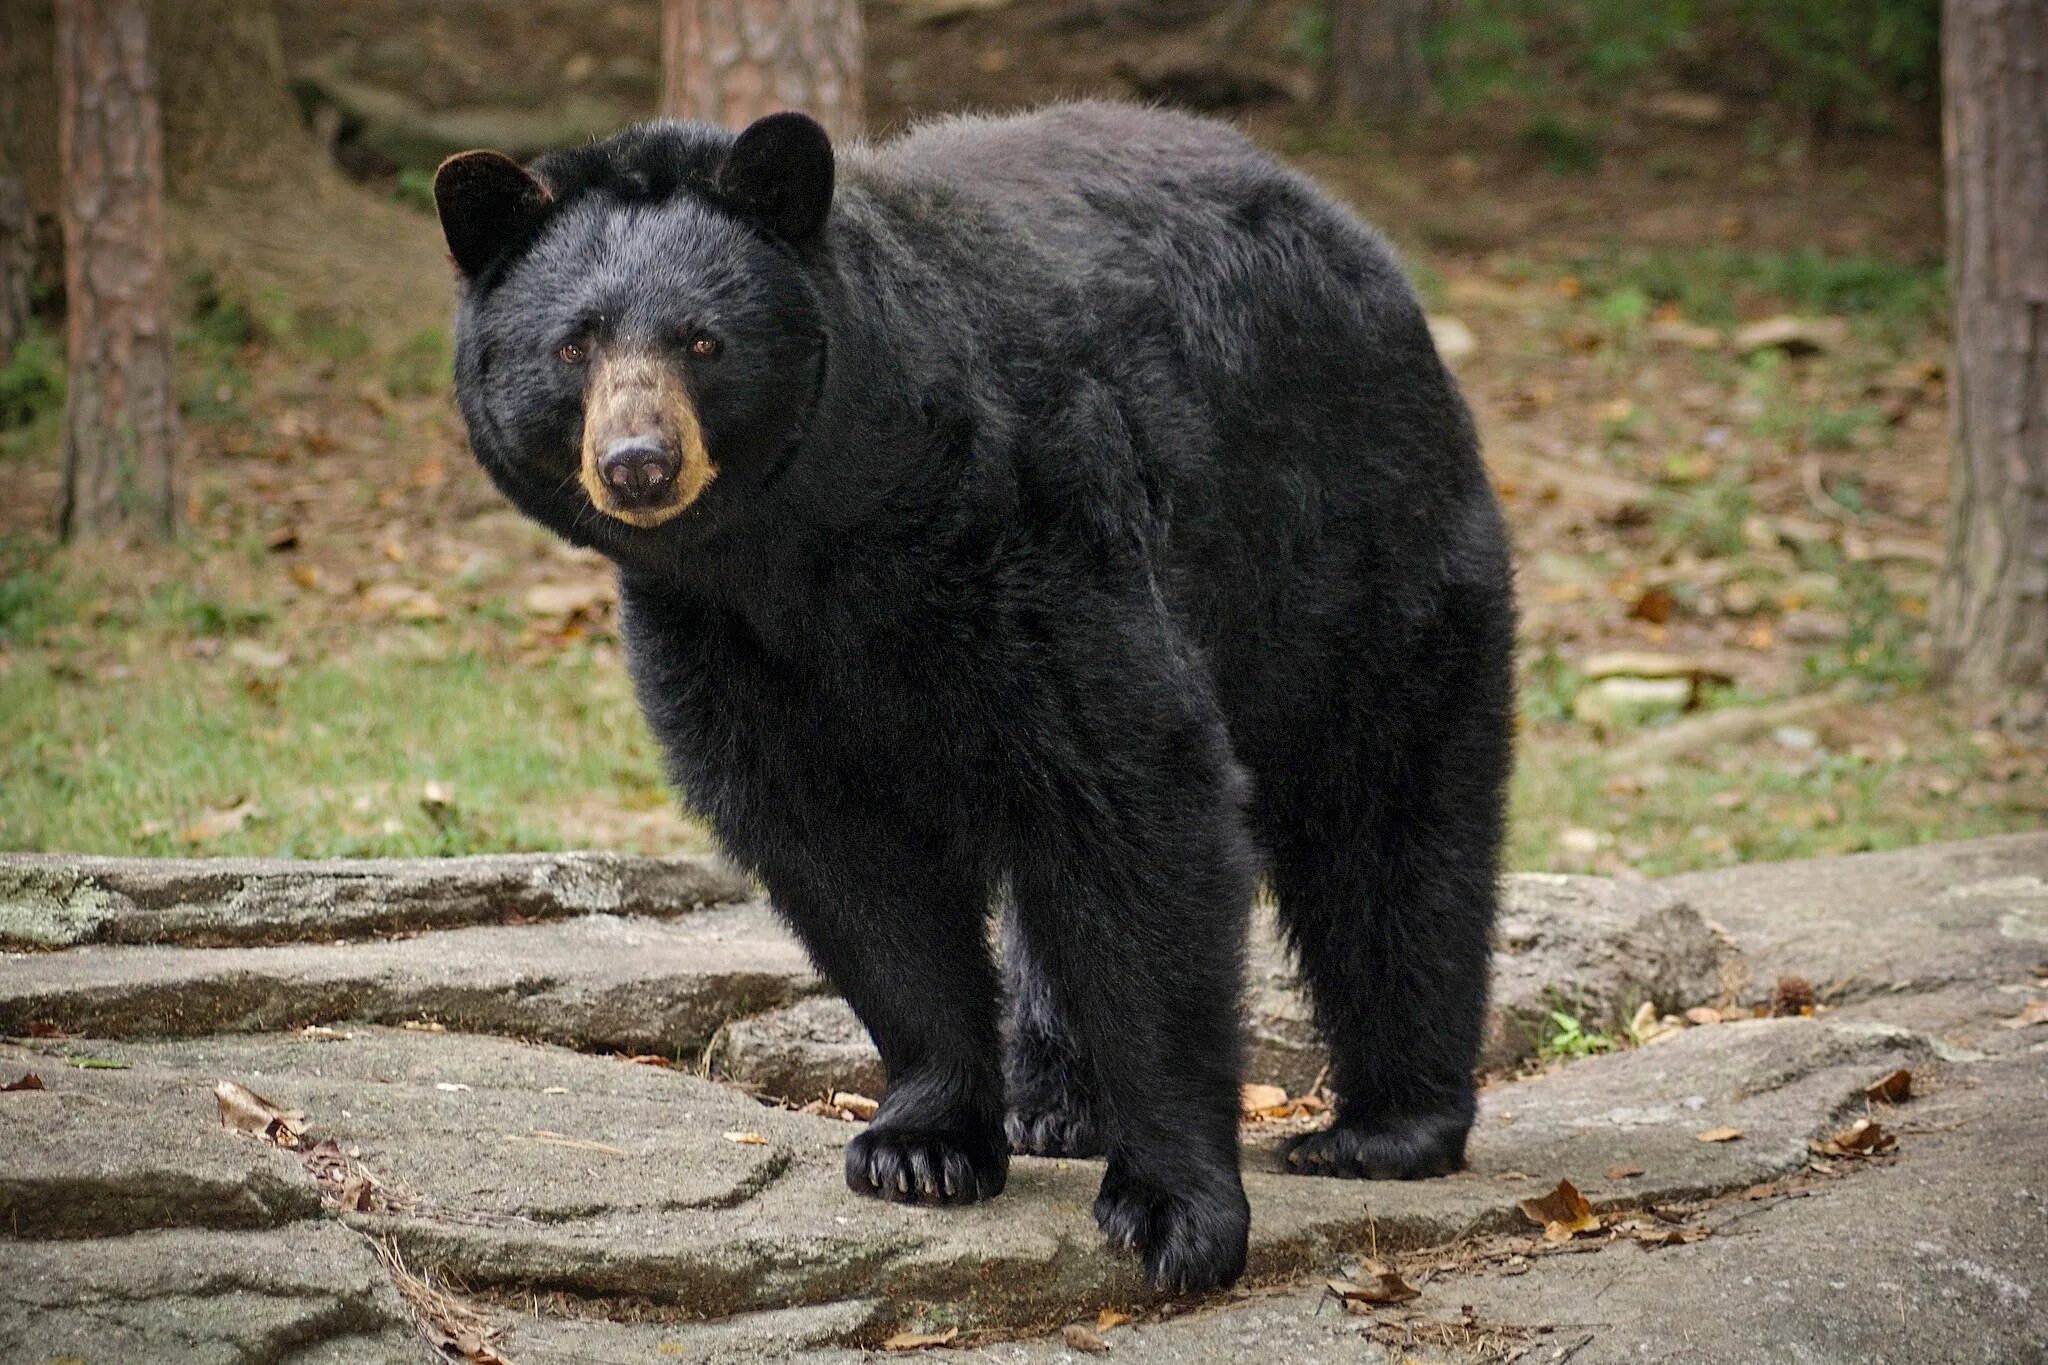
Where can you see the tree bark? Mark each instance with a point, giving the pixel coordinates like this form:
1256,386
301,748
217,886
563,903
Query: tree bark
733,61
17,219
1376,68
120,414
1991,608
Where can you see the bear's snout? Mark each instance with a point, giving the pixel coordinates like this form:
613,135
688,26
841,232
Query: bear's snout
644,458
640,471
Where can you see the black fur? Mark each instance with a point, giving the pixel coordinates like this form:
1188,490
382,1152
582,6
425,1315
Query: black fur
1095,527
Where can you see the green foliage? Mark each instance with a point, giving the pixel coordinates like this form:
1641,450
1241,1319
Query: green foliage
1568,1039
32,383
415,189
1880,645
1829,61
422,365
1549,683
1894,300
1566,148
1706,518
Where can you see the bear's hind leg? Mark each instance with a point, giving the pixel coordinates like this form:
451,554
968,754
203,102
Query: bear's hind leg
1050,1098
1384,858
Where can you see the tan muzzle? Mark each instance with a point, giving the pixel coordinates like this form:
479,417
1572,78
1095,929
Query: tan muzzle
644,459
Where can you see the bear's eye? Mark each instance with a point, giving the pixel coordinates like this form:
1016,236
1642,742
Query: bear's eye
704,346
571,353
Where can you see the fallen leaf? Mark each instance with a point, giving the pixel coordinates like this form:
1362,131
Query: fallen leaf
1703,1014
1622,1172
258,656
355,1194
652,1059
1720,1135
219,822
1563,1213
242,1110
1865,1137
28,1081
917,1341
1654,605
1890,1089
1109,1318
568,599
1080,1338
423,1026
1253,1098
2036,1012
1793,997
320,1033
747,1139
1651,1238
1376,1284
860,1106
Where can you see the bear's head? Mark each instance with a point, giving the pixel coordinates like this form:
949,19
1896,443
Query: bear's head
641,332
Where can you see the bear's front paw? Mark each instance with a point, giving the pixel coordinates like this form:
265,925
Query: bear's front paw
925,1166
1190,1241
1054,1130
1414,1147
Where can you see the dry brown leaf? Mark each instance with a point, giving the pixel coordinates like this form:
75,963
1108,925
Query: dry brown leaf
1651,1238
1893,1088
918,1341
1080,1338
652,1059
219,822
1109,1318
1793,997
747,1139
1622,1172
2036,1012
858,1105
1253,1098
29,1081
1865,1137
320,1033
1563,1213
242,1110
1376,1284
1720,1135
1703,1014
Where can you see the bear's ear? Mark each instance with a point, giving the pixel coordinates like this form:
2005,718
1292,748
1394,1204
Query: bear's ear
486,200
779,172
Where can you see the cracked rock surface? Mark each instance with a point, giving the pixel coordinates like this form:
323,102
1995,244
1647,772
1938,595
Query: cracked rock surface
592,1207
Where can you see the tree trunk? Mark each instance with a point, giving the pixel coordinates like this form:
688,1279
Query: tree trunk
1376,69
1991,608
120,414
732,61
17,218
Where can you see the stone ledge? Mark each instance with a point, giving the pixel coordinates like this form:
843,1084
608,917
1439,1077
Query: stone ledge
60,900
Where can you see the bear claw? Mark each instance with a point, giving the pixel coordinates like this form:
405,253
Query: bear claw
923,1166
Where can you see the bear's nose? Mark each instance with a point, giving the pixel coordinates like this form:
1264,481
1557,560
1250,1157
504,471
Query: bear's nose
638,470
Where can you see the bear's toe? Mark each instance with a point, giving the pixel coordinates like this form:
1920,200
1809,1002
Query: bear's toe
1054,1132
1190,1241
924,1166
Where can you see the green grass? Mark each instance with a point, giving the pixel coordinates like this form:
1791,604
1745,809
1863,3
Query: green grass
1893,300
333,752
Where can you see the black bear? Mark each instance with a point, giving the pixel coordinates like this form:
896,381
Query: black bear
1066,513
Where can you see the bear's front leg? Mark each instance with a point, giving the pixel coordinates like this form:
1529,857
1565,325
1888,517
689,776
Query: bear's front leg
911,956
1132,911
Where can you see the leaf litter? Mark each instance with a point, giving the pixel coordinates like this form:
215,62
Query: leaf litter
1563,1213
242,1110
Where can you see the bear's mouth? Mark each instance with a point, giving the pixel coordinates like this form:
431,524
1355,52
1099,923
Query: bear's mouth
644,460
